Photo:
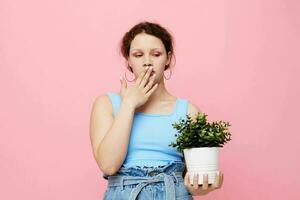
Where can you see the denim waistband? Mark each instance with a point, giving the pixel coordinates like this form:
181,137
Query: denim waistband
144,175
172,166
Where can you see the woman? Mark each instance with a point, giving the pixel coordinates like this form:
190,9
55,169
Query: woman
130,130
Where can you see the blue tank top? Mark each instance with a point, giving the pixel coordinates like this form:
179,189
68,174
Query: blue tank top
151,134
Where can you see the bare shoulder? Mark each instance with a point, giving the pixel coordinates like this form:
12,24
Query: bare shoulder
193,110
103,102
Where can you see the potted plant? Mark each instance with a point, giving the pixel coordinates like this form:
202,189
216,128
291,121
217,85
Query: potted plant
199,141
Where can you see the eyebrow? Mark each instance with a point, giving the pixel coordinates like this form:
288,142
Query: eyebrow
151,49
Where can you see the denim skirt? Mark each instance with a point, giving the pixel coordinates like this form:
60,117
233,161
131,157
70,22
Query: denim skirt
148,183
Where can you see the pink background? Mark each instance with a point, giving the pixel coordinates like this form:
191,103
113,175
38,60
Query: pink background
237,60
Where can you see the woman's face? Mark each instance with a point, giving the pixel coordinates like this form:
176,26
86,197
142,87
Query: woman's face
147,50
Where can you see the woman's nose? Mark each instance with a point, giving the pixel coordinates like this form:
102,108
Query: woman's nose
147,65
148,60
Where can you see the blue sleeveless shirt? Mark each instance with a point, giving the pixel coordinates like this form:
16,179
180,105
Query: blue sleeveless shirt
151,134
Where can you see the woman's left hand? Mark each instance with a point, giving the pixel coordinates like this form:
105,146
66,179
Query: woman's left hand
198,190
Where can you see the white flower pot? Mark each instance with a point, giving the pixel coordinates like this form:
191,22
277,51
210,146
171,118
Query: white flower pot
202,160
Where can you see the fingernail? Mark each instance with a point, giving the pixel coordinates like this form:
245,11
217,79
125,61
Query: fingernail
121,77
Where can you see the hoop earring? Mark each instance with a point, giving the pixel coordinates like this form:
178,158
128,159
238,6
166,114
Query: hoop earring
126,76
169,76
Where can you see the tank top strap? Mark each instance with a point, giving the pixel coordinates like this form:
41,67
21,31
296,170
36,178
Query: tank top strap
115,101
181,110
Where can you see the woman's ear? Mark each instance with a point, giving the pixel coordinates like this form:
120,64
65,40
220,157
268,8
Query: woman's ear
169,58
128,66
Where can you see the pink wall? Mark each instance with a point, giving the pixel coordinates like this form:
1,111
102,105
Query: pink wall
239,59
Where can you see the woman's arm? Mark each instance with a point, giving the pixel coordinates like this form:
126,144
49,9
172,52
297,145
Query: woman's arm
109,135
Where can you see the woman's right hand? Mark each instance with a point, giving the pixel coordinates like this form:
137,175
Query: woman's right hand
138,93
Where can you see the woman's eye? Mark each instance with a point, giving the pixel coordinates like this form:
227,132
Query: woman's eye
156,55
